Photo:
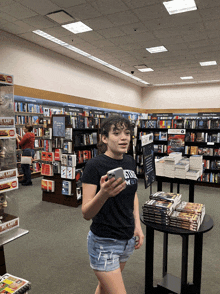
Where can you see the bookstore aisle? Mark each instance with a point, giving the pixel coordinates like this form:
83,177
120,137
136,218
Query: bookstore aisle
53,256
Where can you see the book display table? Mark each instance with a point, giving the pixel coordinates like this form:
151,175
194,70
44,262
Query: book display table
170,283
6,238
177,181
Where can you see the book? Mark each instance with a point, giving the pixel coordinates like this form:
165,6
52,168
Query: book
14,285
8,222
66,188
47,185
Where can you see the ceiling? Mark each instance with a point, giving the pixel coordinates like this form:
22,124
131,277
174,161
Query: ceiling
122,30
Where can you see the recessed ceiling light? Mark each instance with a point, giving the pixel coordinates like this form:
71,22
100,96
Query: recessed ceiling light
60,17
208,63
143,68
146,69
156,49
77,27
187,78
179,6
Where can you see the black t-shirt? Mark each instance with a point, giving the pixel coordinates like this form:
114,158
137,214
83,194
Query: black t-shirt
115,219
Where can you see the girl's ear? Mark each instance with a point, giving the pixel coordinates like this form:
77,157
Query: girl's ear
104,139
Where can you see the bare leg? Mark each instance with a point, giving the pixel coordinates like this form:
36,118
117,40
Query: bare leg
111,282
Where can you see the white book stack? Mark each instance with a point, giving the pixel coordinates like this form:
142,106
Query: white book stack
170,163
180,170
193,174
159,166
196,163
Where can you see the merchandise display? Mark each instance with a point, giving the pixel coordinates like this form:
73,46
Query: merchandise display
190,135
8,170
168,209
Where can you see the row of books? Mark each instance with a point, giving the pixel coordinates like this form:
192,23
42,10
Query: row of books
181,123
25,119
160,148
210,178
85,139
169,209
196,150
28,107
211,164
202,137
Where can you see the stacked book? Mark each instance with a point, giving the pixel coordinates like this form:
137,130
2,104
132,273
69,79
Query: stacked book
160,206
195,167
181,168
159,166
170,164
188,215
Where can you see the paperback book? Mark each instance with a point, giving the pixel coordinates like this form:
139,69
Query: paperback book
13,285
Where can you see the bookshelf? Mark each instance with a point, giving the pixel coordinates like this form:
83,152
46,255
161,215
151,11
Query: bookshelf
201,133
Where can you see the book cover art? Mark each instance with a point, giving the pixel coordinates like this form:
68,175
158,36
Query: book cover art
176,143
10,284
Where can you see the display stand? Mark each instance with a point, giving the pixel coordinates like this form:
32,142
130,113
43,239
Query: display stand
191,184
170,283
5,239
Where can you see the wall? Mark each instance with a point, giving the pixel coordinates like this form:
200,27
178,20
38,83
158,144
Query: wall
37,67
190,97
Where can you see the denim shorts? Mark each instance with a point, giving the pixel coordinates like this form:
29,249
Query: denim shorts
106,254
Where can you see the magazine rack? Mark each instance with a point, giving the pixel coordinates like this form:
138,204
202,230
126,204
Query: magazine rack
169,282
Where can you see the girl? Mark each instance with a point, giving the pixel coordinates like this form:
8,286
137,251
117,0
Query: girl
113,207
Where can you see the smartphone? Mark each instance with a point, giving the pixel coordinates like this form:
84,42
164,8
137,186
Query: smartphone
116,173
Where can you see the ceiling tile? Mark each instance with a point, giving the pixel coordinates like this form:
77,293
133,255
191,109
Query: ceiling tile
122,18
83,11
68,3
39,22
109,7
210,13
90,36
98,23
133,28
7,17
18,11
139,3
151,12
111,33
6,3
13,28
42,7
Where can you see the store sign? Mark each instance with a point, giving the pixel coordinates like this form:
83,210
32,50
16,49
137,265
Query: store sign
148,156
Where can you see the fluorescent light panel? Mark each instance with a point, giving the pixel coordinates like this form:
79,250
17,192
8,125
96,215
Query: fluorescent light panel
77,27
156,49
83,53
208,63
179,6
147,69
187,78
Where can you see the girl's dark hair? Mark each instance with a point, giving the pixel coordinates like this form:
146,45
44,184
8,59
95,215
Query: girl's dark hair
29,128
118,122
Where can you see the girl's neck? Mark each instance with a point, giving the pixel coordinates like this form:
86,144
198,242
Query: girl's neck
114,155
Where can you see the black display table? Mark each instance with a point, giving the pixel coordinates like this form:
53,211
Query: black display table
5,238
170,283
177,181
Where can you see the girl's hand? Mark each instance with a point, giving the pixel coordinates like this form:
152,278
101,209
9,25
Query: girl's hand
112,187
138,233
